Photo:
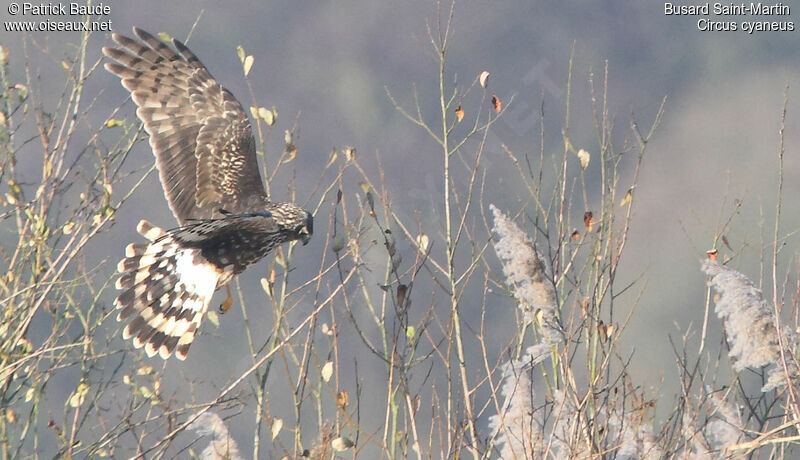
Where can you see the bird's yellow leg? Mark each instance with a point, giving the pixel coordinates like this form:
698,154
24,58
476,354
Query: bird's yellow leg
228,302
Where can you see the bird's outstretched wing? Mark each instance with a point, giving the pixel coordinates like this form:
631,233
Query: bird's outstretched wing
199,132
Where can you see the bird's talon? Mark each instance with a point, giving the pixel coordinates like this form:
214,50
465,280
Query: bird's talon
226,304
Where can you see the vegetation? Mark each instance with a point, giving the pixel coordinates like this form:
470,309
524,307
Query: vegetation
398,343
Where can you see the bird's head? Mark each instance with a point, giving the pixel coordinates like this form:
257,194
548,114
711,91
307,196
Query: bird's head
295,222
307,228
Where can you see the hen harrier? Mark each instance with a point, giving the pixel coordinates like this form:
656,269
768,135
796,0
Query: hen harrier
206,158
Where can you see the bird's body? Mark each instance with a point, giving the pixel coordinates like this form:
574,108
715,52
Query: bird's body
205,153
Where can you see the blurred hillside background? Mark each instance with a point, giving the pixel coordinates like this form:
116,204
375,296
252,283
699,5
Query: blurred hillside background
326,67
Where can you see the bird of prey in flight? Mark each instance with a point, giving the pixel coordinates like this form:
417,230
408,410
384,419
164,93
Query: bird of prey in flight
206,158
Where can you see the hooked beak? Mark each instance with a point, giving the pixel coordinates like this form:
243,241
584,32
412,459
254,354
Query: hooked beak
304,236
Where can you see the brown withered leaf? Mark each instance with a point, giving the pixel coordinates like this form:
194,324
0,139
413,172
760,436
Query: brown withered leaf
459,113
342,399
627,198
576,235
497,104
601,329
712,254
588,221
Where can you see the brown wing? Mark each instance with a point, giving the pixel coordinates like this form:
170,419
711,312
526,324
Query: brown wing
199,132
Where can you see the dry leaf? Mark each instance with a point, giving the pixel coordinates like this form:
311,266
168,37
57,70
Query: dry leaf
484,79
627,198
79,395
277,424
342,399
334,155
240,52
292,151
576,235
584,157
422,242
248,64
712,254
588,221
327,371
601,329
497,104
459,113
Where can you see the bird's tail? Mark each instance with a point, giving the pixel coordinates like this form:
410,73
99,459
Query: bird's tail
166,289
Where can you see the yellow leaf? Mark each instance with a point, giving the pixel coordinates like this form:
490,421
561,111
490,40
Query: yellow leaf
164,36
11,416
422,242
266,115
29,394
277,424
254,111
79,395
292,151
584,157
327,371
68,228
628,197
248,64
240,53
64,65
411,332
349,153
332,159
364,186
